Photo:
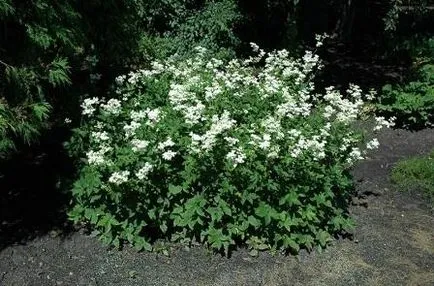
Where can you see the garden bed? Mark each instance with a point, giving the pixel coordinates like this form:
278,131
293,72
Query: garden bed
392,244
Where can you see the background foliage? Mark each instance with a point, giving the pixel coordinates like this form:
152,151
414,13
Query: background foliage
37,40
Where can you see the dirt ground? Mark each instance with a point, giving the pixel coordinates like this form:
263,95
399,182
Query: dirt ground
393,244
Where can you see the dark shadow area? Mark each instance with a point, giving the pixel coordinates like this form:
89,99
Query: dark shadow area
32,197
342,67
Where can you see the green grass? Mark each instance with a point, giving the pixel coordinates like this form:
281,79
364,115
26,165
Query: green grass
416,173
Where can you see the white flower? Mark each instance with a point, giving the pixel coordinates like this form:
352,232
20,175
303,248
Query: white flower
167,143
274,152
97,157
213,91
112,106
193,114
99,125
231,141
373,144
118,178
200,50
144,171
265,143
168,155
130,129
154,114
219,125
255,47
120,79
272,125
371,95
88,105
328,111
138,115
67,120
354,155
100,136
236,156
319,39
139,145
382,122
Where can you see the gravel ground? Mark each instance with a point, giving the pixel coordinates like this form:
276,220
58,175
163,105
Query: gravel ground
393,243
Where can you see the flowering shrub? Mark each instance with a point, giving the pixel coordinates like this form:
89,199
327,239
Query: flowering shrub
222,153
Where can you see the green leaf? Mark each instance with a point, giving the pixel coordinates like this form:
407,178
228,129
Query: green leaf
58,73
163,227
323,237
291,243
174,190
116,242
141,244
6,8
262,246
253,221
39,35
292,198
254,252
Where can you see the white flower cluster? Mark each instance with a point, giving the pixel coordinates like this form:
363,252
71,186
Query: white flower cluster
143,172
119,178
237,156
186,102
169,155
355,155
98,157
219,124
139,145
320,40
165,144
235,108
373,144
382,122
88,105
315,145
100,136
345,110
112,106
130,129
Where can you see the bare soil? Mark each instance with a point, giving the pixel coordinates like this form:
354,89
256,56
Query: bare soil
393,243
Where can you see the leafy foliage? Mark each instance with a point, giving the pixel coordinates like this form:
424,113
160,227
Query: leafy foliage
411,103
397,8
178,26
212,28
32,69
222,153
416,173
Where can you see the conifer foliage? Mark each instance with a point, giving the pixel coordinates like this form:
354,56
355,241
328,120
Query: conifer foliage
37,39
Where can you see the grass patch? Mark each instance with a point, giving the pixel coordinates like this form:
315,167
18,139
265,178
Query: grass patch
416,173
